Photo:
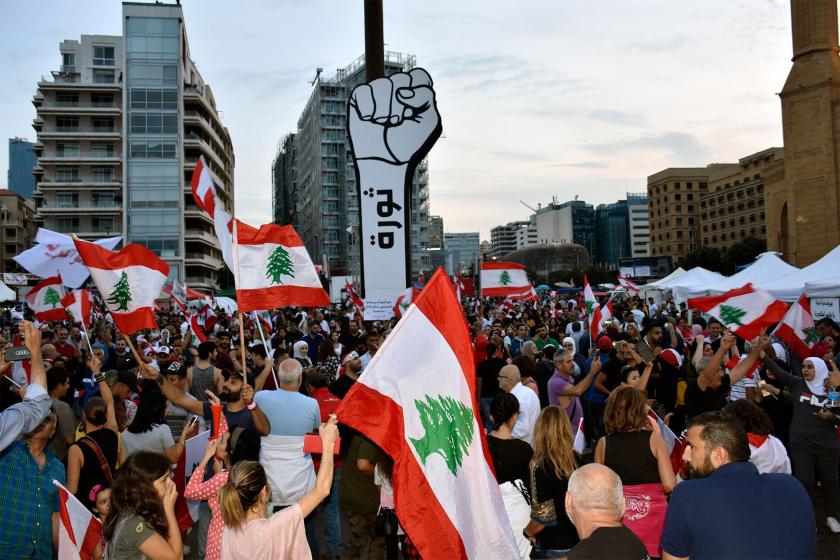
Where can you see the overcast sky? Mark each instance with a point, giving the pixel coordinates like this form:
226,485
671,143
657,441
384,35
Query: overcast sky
538,98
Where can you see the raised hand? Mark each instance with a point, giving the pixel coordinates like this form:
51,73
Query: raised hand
31,337
393,119
247,394
329,431
211,396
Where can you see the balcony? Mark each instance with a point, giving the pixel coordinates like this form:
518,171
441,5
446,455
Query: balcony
94,157
77,131
82,207
69,81
204,259
192,234
84,181
76,108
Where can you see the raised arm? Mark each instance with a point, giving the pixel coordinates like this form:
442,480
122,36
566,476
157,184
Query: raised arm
700,341
171,392
780,373
197,488
709,372
323,482
261,422
643,381
95,365
740,370
579,389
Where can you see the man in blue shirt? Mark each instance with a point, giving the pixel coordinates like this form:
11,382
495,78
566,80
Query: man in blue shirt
728,509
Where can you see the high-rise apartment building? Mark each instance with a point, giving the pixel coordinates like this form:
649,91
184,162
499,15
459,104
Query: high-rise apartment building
435,235
120,128
284,182
21,163
569,222
637,207
733,207
462,250
673,204
503,239
622,229
17,230
323,181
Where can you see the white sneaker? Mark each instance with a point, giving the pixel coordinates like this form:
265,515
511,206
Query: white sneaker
833,524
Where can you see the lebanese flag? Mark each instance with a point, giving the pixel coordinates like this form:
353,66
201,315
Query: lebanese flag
404,301
358,302
593,310
77,305
204,194
178,293
196,328
797,328
673,443
579,443
420,408
206,316
501,279
275,270
264,318
78,528
129,280
745,310
528,294
45,300
459,286
627,284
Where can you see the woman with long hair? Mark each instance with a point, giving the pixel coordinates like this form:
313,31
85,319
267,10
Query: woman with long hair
635,450
511,461
549,529
249,533
767,452
142,522
150,432
93,459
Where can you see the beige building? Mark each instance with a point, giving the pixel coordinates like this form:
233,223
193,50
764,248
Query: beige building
17,229
673,209
121,125
803,197
733,207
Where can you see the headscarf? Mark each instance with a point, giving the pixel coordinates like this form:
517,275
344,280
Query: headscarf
779,350
567,340
529,348
821,373
298,354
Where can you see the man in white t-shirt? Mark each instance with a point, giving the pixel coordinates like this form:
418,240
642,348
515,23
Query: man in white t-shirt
510,381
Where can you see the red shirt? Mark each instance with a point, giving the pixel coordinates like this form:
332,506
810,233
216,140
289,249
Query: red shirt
65,349
328,404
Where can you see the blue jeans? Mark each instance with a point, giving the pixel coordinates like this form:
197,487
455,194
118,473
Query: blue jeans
332,521
485,409
541,553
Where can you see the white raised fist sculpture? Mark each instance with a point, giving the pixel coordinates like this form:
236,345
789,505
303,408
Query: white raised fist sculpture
395,119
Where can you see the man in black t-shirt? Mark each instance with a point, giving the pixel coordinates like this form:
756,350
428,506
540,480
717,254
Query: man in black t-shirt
487,382
595,504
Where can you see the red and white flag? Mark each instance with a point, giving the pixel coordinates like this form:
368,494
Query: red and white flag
420,409
797,328
179,295
579,443
358,302
404,300
592,310
501,279
196,328
204,194
129,280
78,529
275,270
45,300
527,294
459,286
78,306
263,318
673,443
627,284
745,310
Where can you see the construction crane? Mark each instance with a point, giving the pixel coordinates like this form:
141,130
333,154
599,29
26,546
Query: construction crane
529,207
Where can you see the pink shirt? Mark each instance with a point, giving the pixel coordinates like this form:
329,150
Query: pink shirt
280,536
198,490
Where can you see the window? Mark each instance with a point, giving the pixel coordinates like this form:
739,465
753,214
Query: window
67,149
68,62
67,224
154,123
102,225
102,99
66,173
103,56
102,200
102,124
154,149
676,185
153,99
67,99
67,200
67,124
103,76
102,174
102,149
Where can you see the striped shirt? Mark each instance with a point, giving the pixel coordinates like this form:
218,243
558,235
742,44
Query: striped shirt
29,499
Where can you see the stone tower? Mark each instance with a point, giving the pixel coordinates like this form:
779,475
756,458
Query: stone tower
803,198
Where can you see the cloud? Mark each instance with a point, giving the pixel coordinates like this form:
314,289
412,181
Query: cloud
681,148
582,165
617,117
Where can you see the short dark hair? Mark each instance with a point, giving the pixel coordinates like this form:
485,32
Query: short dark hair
503,407
316,379
204,350
724,432
56,376
752,417
259,350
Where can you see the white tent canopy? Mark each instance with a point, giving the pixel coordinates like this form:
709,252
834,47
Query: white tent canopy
824,288
767,266
6,293
691,279
790,287
653,287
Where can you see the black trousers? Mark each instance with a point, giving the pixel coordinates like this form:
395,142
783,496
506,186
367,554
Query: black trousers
811,464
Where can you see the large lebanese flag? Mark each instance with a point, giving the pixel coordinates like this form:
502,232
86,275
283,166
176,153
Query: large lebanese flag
129,280
745,310
797,329
45,300
78,529
77,304
204,194
502,279
275,269
420,408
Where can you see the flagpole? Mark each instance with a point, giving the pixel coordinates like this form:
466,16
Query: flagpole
237,283
267,348
87,337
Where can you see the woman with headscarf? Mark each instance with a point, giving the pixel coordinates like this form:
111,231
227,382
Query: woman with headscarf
580,362
300,352
814,449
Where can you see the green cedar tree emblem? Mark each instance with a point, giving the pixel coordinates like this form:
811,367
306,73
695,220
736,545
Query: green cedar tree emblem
279,263
505,279
448,424
590,307
811,335
51,297
731,315
121,294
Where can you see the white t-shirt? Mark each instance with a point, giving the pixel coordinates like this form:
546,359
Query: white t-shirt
155,440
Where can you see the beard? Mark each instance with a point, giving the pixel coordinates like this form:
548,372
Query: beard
227,396
702,471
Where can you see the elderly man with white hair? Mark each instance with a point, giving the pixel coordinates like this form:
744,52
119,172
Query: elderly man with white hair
510,381
595,504
292,415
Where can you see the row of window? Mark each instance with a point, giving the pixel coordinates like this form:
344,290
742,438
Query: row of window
732,236
71,124
71,149
71,99
663,188
98,224
154,149
66,199
677,208
154,123
140,73
732,196
740,207
70,174
154,98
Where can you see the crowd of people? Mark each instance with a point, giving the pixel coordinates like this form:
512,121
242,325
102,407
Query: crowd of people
577,428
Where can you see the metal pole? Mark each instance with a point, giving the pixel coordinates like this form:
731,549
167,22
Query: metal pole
374,41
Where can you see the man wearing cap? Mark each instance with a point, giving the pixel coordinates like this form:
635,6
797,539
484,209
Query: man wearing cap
351,367
177,417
